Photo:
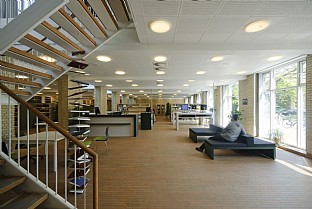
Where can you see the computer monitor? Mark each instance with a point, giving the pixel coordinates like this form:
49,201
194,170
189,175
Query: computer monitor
184,107
203,107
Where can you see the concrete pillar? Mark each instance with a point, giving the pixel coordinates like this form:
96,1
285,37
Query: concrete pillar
115,100
100,94
204,97
63,101
248,91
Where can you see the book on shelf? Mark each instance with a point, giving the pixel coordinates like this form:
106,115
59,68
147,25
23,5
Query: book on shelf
78,190
78,173
79,181
80,165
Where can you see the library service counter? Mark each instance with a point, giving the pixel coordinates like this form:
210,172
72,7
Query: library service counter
119,125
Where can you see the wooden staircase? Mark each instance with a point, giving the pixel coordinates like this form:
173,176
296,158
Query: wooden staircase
12,194
66,37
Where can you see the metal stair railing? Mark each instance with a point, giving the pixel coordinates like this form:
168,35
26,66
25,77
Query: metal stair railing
44,138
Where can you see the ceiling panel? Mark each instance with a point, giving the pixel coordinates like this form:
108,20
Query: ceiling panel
200,8
189,32
282,8
161,8
239,8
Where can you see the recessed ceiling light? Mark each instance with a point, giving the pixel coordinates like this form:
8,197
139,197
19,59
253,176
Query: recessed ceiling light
160,72
241,72
145,94
179,91
47,58
56,92
120,72
160,59
97,81
40,93
122,91
160,80
130,94
174,94
159,94
21,76
274,58
103,58
200,72
109,85
160,26
21,88
134,84
216,59
257,26
160,91
160,84
186,84
47,88
129,81
141,91
191,80
87,74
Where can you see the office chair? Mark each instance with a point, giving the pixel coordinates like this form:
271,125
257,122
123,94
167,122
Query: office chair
104,139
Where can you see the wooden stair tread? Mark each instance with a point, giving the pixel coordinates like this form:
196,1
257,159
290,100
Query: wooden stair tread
24,93
27,57
9,182
17,68
19,81
27,200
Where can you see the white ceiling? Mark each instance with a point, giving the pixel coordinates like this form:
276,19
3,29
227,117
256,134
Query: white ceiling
201,30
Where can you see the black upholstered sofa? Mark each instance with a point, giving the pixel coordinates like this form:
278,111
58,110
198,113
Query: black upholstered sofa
244,142
194,133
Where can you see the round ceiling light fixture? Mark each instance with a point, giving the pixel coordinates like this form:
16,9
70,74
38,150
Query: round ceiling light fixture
21,76
257,26
160,59
274,58
109,85
200,72
160,26
97,81
134,85
160,72
103,58
47,58
241,72
217,58
120,72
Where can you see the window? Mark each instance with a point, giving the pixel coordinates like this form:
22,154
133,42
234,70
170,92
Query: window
282,103
229,101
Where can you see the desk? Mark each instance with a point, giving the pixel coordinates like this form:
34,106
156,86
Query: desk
53,136
189,114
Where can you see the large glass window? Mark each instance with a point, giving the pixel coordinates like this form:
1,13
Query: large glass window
230,101
282,103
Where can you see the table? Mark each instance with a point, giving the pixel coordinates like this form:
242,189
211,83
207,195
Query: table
53,137
189,114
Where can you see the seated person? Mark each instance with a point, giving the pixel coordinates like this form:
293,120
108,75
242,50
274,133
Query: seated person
229,134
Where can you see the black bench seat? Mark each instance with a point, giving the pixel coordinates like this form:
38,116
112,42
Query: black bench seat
244,142
211,131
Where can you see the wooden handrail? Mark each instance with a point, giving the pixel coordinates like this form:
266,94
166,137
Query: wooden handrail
64,133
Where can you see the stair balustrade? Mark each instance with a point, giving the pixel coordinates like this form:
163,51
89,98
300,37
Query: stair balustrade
28,149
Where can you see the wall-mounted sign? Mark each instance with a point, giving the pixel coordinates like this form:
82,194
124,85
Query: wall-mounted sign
245,101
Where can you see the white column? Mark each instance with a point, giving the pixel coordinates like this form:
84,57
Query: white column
115,100
100,94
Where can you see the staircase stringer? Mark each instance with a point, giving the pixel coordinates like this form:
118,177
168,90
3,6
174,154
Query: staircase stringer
22,24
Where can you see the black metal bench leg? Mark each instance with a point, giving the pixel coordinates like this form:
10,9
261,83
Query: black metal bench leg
271,153
209,151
